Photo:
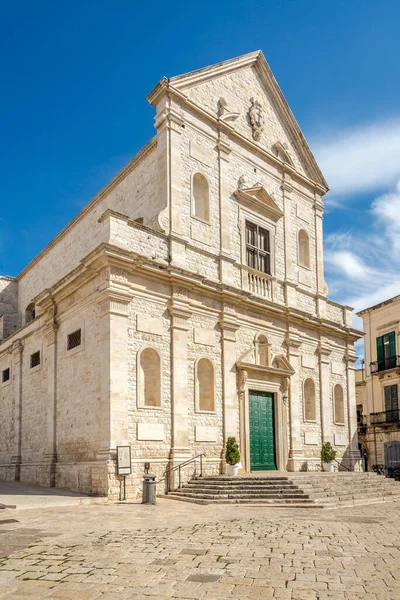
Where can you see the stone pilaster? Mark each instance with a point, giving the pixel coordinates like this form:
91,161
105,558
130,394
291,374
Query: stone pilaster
230,403
295,404
114,389
354,453
50,456
319,244
325,394
180,315
224,151
17,364
287,217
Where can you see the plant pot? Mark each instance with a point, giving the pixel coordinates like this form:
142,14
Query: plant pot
232,470
328,467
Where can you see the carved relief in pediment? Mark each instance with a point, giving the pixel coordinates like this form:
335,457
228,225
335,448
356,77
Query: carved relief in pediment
256,117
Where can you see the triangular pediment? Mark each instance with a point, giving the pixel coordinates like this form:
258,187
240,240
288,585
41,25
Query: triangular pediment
258,197
243,86
279,366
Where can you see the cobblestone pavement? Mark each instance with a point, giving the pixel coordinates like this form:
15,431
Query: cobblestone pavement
187,551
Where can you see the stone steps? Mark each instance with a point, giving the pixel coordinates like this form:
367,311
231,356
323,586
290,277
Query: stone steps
322,490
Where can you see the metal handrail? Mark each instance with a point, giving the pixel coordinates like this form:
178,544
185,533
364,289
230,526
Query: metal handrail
341,464
384,364
169,470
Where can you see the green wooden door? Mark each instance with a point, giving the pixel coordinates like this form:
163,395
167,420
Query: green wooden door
262,437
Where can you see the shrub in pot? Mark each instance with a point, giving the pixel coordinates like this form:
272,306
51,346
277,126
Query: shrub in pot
232,456
328,454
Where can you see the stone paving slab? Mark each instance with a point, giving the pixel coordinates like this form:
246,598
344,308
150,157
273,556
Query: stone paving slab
137,552
17,495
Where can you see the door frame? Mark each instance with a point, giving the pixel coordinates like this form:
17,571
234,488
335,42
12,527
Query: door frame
267,397
276,388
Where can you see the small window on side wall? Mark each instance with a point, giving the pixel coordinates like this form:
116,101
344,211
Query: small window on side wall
149,385
5,376
35,359
201,197
74,339
304,249
309,400
205,385
30,312
339,404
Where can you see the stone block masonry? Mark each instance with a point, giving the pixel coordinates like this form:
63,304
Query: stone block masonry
191,282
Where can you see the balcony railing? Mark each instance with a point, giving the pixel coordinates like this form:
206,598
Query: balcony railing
387,416
385,364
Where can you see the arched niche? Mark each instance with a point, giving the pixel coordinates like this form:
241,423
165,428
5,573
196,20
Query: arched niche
309,400
201,197
304,248
205,385
149,378
339,404
262,350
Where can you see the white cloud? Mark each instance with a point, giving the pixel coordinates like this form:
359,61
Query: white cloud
361,159
363,266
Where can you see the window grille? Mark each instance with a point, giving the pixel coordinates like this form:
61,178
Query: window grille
258,249
5,375
35,359
74,339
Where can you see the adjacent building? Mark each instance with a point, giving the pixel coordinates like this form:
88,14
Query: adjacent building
378,384
184,304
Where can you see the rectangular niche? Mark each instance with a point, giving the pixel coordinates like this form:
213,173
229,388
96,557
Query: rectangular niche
312,438
204,336
337,368
152,325
340,439
206,434
150,432
308,361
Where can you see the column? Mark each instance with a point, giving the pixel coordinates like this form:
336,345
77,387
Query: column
325,393
224,151
16,370
295,404
180,315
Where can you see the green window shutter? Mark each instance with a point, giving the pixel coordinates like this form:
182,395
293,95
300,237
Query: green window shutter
392,344
379,348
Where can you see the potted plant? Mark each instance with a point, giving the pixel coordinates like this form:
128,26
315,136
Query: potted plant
232,457
328,454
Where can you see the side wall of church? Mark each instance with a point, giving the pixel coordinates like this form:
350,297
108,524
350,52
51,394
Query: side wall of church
134,194
67,380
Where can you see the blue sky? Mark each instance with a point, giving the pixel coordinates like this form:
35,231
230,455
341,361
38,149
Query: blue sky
73,110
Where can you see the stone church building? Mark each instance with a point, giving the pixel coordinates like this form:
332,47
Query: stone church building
184,304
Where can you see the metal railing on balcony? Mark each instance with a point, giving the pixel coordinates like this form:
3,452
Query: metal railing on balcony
385,364
384,417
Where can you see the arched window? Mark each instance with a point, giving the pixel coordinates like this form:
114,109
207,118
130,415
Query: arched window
149,372
304,249
339,404
205,384
30,312
201,197
262,350
309,400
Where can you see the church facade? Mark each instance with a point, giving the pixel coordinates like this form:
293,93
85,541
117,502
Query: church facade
184,304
